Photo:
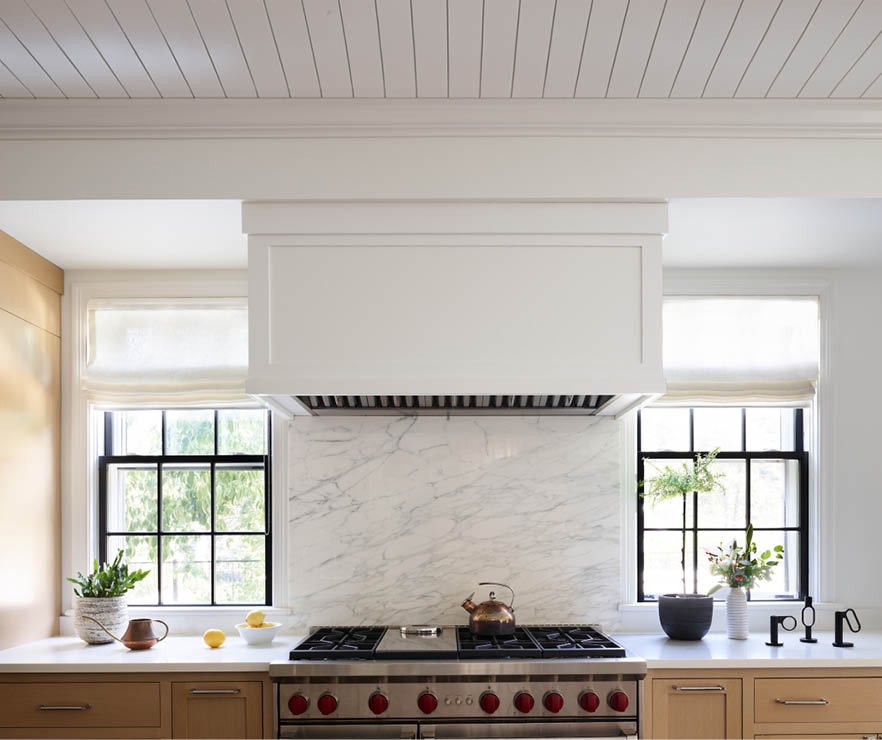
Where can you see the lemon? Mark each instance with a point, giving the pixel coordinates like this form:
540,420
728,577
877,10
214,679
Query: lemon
255,618
214,638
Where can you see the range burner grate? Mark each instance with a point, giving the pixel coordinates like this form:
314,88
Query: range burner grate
575,641
339,643
517,645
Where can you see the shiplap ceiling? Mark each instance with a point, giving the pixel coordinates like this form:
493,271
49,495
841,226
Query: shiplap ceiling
441,48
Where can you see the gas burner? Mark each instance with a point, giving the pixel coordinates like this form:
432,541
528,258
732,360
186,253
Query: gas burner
517,645
575,641
339,643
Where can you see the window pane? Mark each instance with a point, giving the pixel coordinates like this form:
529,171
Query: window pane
662,566
141,432
186,569
240,570
717,428
664,429
785,578
729,509
131,498
239,499
241,432
769,429
186,498
774,488
189,432
140,554
664,514
711,540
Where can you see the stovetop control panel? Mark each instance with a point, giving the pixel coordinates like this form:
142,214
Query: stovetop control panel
547,698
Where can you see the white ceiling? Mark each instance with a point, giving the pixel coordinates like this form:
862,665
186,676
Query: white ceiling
440,48
130,234
704,232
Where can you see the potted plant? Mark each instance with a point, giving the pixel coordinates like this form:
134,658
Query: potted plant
739,568
684,616
101,596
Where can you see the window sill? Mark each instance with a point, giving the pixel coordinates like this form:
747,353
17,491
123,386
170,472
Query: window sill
192,620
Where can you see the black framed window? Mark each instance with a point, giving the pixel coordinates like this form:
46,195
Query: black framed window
765,461
186,494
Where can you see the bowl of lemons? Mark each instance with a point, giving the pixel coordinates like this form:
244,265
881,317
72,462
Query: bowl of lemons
255,630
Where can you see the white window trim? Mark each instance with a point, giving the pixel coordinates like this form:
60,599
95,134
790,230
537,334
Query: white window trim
79,488
822,494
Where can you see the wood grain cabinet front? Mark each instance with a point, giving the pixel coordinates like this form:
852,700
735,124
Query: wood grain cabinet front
217,709
817,700
696,708
80,704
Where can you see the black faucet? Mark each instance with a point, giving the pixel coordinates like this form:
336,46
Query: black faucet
841,617
808,609
773,629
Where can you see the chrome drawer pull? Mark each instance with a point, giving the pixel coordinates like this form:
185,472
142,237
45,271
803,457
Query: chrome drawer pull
214,691
54,708
699,688
802,702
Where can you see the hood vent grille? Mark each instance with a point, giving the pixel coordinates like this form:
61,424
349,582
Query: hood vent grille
440,405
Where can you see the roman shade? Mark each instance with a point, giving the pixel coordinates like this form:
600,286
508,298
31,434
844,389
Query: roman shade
740,350
171,349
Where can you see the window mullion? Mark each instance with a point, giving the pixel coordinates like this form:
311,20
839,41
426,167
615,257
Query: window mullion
159,520
212,514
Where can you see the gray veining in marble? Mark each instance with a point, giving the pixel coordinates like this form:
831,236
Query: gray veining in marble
396,519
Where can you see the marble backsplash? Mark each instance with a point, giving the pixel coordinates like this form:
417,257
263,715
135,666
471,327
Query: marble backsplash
397,519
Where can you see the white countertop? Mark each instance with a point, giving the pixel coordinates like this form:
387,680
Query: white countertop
189,653
185,653
718,651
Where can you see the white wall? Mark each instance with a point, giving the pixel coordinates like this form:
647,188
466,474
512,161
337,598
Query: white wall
856,337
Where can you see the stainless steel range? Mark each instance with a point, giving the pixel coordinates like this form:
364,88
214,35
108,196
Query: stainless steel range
568,681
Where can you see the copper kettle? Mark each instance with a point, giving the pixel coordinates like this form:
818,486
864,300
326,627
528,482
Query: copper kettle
491,617
138,635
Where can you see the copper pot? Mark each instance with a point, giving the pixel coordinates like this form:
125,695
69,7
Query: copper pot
138,635
491,617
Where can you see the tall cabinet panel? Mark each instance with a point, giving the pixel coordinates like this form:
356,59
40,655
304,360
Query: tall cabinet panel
30,443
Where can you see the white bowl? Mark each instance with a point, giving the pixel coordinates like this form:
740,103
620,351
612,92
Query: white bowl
259,635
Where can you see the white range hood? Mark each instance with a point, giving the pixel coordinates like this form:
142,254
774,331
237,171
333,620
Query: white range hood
448,307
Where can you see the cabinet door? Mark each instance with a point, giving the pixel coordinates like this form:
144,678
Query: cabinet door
217,709
696,708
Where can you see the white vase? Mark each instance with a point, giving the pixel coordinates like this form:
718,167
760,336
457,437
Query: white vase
736,614
111,612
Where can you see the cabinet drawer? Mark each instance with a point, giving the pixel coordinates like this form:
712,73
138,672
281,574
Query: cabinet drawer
818,700
79,704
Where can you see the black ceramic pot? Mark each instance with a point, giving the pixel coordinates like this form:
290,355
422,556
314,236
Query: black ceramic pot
685,616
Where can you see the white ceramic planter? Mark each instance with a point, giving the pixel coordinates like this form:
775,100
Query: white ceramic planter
113,613
736,614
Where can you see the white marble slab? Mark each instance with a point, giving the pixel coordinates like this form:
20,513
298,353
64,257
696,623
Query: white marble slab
72,655
718,651
398,518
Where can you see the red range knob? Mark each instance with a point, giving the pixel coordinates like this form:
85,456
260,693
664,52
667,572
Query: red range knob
618,701
553,702
489,702
524,702
427,702
327,704
590,702
378,703
297,704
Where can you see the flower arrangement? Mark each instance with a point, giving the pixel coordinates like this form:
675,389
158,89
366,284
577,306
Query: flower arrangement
740,567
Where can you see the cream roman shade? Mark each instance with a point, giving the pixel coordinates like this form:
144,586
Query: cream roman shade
740,350
170,349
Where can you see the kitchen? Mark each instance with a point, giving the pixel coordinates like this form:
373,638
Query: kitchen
337,364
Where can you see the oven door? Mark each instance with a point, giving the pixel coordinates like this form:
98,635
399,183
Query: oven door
530,730
350,731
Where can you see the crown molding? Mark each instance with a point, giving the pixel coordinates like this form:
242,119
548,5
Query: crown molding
291,118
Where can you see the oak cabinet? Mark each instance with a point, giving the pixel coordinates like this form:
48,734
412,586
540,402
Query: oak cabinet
696,708
216,709
136,705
